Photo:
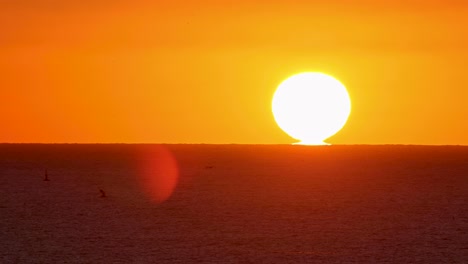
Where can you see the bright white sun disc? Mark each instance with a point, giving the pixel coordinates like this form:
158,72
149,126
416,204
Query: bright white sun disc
311,107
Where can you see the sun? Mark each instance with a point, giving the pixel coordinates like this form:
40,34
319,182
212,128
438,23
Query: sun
311,107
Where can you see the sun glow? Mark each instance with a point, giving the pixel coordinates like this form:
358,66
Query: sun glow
311,107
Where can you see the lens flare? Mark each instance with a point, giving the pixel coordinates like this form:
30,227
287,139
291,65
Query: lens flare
158,172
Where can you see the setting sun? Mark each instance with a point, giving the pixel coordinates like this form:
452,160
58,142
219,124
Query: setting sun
279,131
311,107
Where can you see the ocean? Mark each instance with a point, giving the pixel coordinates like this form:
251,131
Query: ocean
131,203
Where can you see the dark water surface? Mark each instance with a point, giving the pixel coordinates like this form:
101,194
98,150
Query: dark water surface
233,204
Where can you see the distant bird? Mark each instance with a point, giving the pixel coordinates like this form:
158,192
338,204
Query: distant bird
46,176
103,194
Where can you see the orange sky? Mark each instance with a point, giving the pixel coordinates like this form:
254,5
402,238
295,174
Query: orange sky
205,71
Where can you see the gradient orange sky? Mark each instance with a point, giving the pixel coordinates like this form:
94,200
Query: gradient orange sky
205,71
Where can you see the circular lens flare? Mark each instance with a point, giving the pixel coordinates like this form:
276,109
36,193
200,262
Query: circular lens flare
311,107
158,172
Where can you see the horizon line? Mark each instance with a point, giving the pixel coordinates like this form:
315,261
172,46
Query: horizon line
263,144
